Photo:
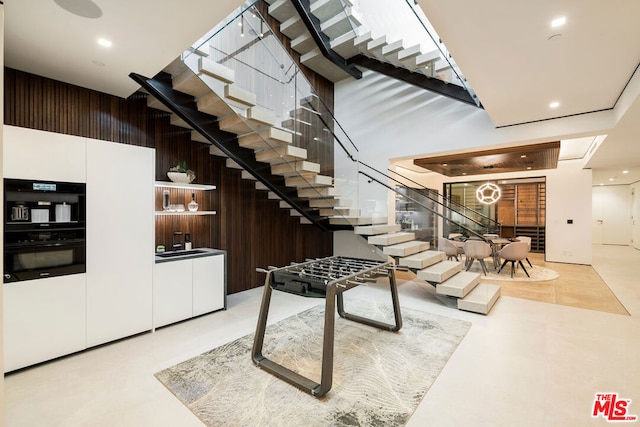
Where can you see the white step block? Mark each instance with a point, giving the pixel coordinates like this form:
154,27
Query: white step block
356,220
214,105
319,193
284,205
246,175
346,212
232,164
341,23
375,46
371,230
409,54
293,27
305,182
261,116
459,284
302,167
406,248
391,238
239,95
329,203
189,83
294,212
177,121
304,220
260,186
392,48
154,103
326,9
344,46
281,154
303,43
480,299
282,9
363,40
440,272
215,70
197,136
272,196
265,138
423,259
215,151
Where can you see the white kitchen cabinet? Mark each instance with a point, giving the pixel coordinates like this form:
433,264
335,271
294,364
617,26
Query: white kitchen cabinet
43,319
120,240
188,287
46,156
208,284
172,292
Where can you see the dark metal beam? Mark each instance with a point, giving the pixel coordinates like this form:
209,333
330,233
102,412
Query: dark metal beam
449,90
184,106
303,7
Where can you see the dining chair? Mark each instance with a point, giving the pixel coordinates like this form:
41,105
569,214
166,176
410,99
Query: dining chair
449,248
476,250
527,240
514,252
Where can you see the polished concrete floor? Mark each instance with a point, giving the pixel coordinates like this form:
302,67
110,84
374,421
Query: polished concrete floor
527,363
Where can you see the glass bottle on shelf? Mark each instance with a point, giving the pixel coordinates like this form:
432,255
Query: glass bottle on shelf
165,200
193,206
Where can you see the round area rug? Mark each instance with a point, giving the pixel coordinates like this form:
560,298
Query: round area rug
537,273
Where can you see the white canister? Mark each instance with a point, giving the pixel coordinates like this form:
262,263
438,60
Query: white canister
63,213
39,215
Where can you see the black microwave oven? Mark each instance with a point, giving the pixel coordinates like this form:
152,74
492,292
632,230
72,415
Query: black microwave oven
44,229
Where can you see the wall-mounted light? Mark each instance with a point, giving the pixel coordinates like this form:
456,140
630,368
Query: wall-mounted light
488,193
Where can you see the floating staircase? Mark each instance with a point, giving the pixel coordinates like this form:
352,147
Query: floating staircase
431,266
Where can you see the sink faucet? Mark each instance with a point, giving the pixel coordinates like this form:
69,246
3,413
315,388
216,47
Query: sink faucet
176,245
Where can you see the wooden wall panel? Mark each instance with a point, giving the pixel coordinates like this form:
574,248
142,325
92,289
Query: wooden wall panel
253,229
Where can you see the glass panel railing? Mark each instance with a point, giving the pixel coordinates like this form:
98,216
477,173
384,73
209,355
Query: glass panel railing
268,99
410,39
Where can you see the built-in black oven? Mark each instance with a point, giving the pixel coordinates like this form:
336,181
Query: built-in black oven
44,229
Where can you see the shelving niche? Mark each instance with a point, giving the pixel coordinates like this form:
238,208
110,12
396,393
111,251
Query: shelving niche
181,186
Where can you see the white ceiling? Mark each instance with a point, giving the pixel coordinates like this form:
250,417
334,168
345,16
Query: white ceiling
502,46
45,39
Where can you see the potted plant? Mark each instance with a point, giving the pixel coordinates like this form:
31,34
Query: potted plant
180,173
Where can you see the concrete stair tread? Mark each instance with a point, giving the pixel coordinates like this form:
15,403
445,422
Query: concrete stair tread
353,221
319,193
371,230
459,284
406,248
265,138
281,154
187,82
241,96
329,203
302,167
314,181
391,238
422,260
214,105
215,70
440,272
481,299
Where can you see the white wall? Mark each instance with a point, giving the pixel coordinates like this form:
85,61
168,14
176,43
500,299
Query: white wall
634,191
388,119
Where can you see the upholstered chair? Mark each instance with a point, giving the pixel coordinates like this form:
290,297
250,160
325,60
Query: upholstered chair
527,240
447,246
514,252
476,250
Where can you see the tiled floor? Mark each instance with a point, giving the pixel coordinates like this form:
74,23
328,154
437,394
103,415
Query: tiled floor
527,363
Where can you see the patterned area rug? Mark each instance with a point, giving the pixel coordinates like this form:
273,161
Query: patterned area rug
537,273
379,377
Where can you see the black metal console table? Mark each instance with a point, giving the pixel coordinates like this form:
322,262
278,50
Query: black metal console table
325,278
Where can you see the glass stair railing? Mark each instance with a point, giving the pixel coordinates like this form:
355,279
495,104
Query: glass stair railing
240,90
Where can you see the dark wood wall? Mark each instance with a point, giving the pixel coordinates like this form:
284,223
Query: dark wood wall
253,229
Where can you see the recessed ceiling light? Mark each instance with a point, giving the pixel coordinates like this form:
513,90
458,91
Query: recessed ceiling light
464,173
611,179
554,104
524,156
625,171
104,42
558,22
528,167
444,164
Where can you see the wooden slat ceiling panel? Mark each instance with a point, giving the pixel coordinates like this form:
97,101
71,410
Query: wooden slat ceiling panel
511,159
